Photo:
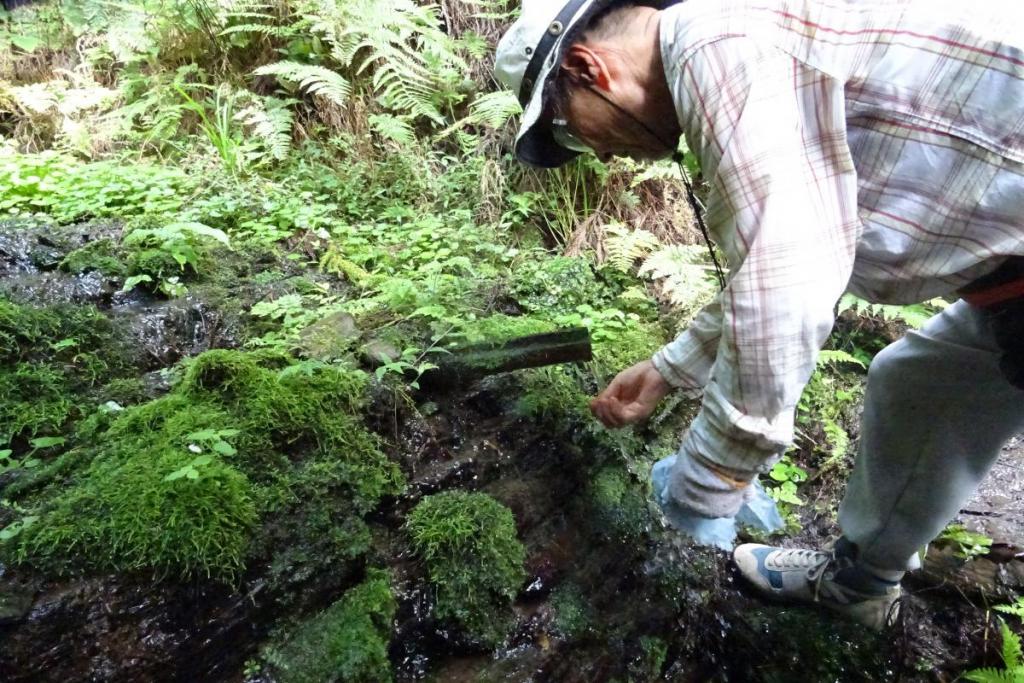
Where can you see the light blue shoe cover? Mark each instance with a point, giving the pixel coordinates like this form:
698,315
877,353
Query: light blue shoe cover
759,512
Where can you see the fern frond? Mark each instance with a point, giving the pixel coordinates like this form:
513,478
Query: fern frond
990,674
34,99
392,128
625,246
401,90
270,120
495,108
914,315
684,278
475,45
400,42
833,356
1011,651
316,80
1016,608
267,30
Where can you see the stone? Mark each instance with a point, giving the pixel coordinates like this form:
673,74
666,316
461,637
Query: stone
330,337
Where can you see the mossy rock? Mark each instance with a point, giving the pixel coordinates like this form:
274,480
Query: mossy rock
128,511
58,332
126,391
556,286
553,393
49,358
99,255
619,504
346,642
34,399
573,615
500,328
178,485
474,559
647,663
310,407
629,341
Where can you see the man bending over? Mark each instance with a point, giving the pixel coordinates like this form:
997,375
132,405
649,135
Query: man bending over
875,147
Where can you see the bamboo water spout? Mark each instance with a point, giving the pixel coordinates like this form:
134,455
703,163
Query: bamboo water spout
466,364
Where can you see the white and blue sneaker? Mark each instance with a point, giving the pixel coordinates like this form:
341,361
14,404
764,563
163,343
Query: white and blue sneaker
829,577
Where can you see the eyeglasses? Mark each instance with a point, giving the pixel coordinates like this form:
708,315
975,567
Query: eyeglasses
564,137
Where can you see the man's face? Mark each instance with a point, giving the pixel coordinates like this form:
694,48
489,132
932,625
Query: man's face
607,130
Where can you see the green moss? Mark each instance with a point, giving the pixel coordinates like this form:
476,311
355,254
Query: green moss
125,512
265,438
498,328
552,393
99,255
474,559
572,613
34,399
158,264
49,355
303,407
629,341
647,665
57,332
619,504
346,642
125,391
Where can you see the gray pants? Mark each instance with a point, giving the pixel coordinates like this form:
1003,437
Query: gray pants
936,413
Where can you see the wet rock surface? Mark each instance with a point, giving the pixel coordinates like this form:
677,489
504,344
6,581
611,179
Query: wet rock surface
161,331
635,590
996,511
610,594
997,508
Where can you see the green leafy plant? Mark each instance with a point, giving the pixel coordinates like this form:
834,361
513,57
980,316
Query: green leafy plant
828,395
162,255
1013,661
409,366
914,315
14,528
211,439
969,544
219,126
788,476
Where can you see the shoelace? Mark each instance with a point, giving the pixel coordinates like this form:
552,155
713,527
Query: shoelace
802,558
816,562
816,576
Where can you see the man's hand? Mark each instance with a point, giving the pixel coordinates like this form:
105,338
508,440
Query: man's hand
631,397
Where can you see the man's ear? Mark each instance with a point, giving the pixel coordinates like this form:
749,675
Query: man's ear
587,66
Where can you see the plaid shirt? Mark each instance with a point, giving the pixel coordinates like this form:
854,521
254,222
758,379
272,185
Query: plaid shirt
875,147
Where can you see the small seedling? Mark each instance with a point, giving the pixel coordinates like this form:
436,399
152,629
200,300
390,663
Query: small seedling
788,475
969,544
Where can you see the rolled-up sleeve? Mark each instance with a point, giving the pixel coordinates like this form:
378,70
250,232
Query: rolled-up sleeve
772,140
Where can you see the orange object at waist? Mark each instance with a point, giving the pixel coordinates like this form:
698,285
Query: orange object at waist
997,294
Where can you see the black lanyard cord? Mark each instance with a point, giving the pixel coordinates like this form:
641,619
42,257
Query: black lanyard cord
698,215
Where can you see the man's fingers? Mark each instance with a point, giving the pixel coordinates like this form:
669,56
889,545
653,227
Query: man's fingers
617,413
611,413
601,409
